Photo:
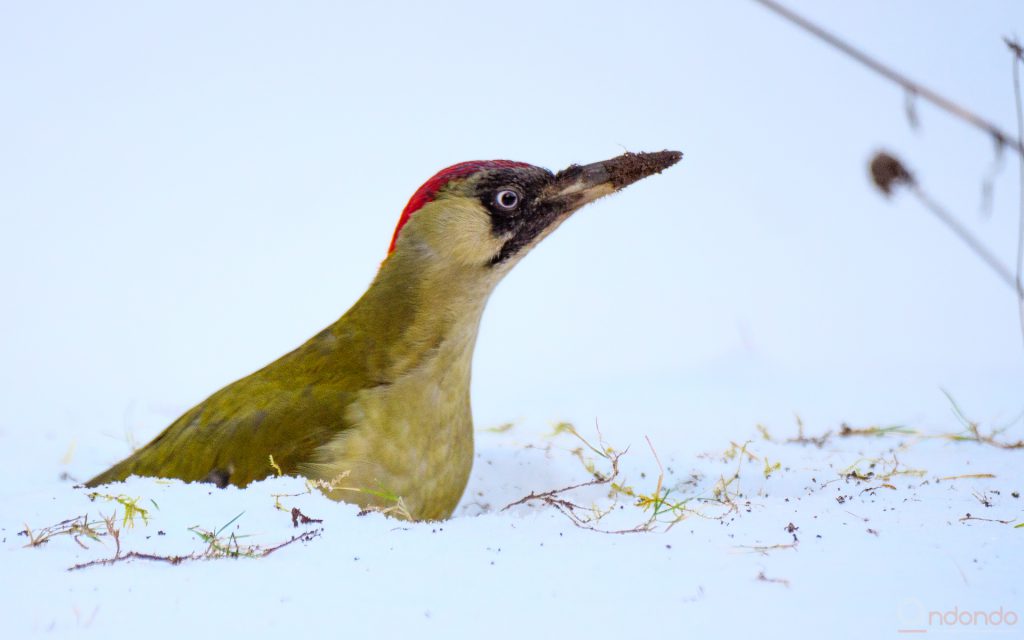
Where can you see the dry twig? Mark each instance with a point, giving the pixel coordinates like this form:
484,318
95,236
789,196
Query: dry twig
912,88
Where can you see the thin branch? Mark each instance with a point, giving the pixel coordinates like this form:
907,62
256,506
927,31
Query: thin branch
1000,136
975,245
888,173
306,536
1018,59
134,555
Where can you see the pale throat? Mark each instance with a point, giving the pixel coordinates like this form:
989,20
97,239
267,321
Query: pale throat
442,308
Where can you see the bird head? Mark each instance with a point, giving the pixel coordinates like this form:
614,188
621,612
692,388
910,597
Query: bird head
487,215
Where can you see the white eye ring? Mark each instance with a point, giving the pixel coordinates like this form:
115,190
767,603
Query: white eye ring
506,199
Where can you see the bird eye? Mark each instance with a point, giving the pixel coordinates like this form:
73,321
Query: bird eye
506,199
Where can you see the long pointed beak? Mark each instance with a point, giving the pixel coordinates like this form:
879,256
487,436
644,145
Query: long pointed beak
574,187
578,185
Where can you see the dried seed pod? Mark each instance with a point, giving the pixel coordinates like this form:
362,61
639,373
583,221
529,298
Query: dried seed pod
888,172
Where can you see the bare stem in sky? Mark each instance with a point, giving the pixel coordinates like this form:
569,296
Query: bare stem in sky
888,172
1001,137
1018,59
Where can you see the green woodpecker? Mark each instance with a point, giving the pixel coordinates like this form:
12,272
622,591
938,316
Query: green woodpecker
377,404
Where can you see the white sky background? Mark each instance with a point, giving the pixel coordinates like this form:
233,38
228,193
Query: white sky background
188,191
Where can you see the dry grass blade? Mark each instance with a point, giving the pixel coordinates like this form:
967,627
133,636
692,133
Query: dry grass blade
584,517
973,431
77,528
970,517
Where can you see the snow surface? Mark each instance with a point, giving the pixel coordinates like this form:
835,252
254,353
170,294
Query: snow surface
805,549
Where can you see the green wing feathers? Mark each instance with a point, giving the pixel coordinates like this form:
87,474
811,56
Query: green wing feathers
230,436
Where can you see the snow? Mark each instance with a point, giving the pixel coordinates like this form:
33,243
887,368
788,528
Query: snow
801,549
